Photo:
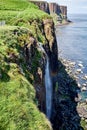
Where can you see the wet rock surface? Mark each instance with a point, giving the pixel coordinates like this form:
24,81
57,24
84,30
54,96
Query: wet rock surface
51,46
36,59
82,110
68,110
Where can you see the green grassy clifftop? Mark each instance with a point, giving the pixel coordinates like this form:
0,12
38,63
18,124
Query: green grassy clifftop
18,105
23,13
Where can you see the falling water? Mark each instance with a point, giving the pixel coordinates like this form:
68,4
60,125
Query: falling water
48,85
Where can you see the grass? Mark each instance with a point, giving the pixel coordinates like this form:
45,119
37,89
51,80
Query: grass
84,124
11,10
24,13
18,105
17,5
7,15
18,109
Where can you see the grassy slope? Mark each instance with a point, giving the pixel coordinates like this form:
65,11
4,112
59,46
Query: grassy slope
22,13
18,109
19,9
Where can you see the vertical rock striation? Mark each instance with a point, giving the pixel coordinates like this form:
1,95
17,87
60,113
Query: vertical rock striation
43,5
54,8
58,12
36,59
51,46
63,10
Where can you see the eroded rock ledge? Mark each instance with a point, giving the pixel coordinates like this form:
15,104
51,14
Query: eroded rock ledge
31,54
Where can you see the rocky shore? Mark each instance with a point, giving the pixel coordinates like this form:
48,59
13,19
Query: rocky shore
69,109
67,22
75,70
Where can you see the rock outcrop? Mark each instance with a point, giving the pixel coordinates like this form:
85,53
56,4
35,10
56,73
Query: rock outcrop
22,71
65,114
55,8
58,12
51,46
43,5
44,32
22,66
64,11
36,60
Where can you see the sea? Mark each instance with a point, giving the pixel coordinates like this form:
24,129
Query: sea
72,43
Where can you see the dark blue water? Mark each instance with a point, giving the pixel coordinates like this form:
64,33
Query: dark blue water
72,41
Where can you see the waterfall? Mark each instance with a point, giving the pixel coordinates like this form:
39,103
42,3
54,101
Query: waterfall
48,85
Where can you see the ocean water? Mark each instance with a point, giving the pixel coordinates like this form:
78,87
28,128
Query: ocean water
72,42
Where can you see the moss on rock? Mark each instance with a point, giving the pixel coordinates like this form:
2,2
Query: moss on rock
18,109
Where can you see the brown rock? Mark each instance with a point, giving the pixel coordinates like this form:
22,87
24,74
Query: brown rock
51,48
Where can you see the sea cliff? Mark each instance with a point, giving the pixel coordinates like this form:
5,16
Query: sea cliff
58,12
25,31
22,67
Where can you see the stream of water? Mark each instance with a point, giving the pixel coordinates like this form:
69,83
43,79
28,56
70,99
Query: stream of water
48,85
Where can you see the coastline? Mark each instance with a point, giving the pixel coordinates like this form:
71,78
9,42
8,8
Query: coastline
75,70
62,24
70,80
73,112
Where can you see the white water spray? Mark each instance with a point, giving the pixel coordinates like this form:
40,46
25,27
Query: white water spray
48,85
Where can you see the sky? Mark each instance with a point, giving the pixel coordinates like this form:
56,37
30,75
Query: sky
74,6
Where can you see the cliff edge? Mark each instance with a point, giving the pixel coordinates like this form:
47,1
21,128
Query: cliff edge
58,12
22,67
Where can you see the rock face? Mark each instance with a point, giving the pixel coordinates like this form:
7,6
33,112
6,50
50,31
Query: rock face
36,64
51,46
64,11
43,5
36,59
55,8
24,71
52,9
65,114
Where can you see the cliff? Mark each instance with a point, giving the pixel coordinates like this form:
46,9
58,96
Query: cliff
43,5
22,71
22,89
22,67
64,11
58,12
55,8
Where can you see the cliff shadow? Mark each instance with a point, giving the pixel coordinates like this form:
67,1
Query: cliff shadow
65,101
